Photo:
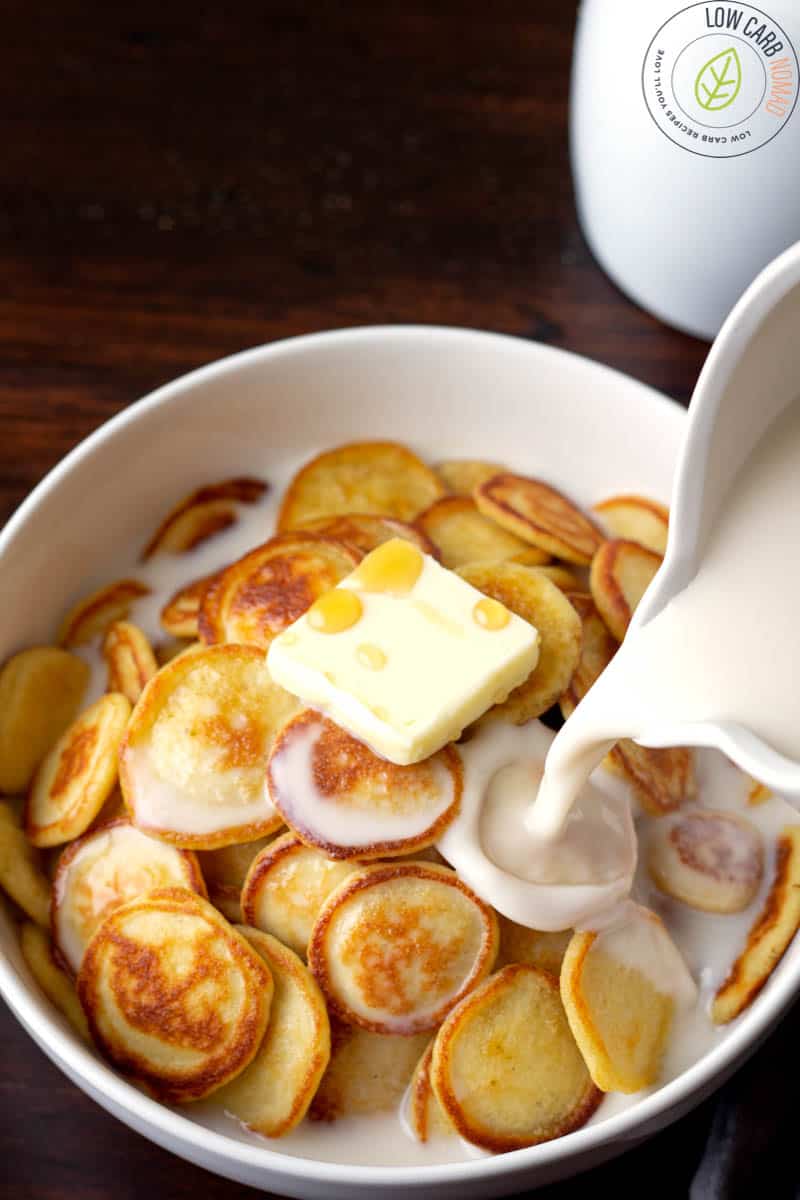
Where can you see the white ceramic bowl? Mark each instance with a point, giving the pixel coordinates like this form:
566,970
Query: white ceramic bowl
451,393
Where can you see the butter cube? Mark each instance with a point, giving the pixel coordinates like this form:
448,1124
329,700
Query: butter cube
403,653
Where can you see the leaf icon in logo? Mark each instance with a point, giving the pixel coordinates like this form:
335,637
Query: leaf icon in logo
718,82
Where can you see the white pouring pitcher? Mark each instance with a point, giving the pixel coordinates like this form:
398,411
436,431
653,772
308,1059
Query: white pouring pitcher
685,144
751,375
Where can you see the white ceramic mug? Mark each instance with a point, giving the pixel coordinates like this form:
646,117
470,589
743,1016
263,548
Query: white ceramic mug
685,140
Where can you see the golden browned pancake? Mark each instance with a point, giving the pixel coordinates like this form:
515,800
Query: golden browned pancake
397,945
285,888
130,659
257,597
621,986
770,935
463,475
462,534
339,796
201,514
541,515
708,859
175,997
22,875
40,692
363,477
105,869
621,574
272,1095
179,615
637,519
365,531
505,1067
426,1117
78,775
192,766
93,615
55,983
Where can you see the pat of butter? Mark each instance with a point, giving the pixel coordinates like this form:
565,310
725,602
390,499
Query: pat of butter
408,657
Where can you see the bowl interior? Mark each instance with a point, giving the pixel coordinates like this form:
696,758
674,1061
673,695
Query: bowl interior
448,393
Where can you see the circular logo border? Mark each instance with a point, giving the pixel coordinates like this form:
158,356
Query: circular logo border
681,145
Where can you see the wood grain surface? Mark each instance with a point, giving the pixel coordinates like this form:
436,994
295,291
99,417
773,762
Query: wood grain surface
180,181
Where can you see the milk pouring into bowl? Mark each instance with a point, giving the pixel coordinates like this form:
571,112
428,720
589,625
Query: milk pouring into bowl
711,657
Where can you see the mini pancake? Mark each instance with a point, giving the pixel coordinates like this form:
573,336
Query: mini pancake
339,796
636,519
770,935
76,778
598,647
272,1095
622,987
462,534
382,478
225,871
397,945
92,616
519,944
621,574
192,765
538,600
463,475
505,1067
174,996
425,1115
709,860
201,514
256,598
180,614
366,532
661,779
22,875
130,659
566,580
285,888
541,515
103,870
368,1073
55,983
40,692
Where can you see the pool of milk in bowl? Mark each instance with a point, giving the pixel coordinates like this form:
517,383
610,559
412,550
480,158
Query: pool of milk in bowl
708,942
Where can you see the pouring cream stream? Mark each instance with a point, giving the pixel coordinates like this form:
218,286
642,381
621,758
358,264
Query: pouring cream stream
723,650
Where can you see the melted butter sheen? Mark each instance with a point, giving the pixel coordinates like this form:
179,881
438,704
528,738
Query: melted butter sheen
336,611
490,614
393,568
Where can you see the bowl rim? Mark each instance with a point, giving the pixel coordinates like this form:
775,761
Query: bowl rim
144,1113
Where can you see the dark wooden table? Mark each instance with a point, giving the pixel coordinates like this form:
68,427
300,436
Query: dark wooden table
182,180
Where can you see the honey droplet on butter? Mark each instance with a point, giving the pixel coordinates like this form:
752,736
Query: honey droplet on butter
490,614
336,611
393,567
371,656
